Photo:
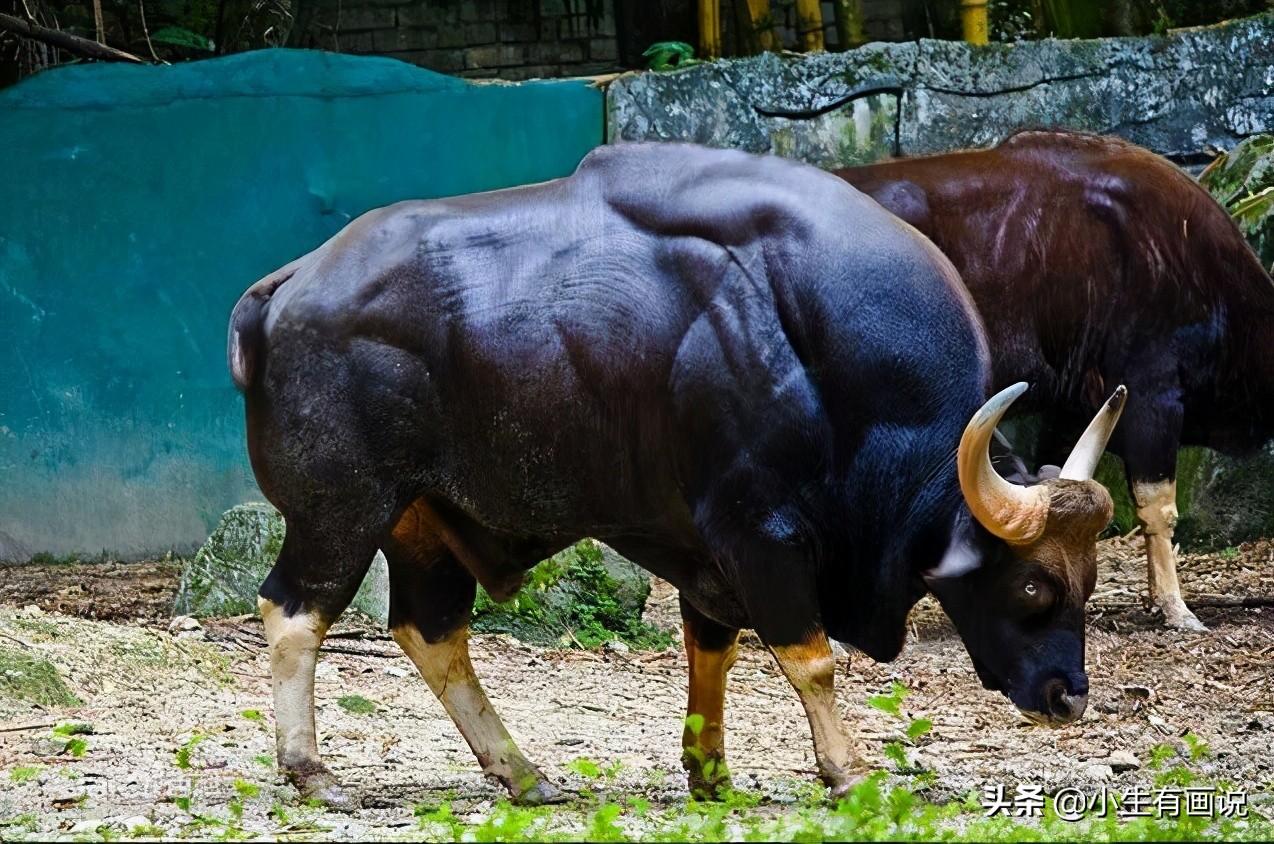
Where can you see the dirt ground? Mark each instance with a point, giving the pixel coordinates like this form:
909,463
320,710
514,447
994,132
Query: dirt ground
147,691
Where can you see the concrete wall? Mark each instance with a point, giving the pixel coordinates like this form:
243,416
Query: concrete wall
508,39
1180,95
139,202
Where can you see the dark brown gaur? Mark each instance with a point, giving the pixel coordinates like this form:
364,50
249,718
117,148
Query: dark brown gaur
1095,262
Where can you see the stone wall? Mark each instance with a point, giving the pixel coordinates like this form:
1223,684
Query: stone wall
508,39
1187,93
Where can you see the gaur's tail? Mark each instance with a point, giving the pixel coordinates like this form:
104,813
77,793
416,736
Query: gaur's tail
247,326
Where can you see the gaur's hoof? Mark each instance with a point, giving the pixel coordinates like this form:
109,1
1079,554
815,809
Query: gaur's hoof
542,793
1179,617
323,787
840,781
707,776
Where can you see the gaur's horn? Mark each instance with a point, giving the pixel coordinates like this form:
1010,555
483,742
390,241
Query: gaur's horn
1014,513
1082,462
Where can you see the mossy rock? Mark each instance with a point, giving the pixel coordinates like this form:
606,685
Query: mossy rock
586,595
1233,501
1242,180
29,678
226,572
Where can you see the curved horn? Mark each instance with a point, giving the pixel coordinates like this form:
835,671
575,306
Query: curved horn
1083,459
1014,513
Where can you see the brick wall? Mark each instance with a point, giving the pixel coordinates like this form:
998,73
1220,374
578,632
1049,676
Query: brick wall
524,39
508,39
882,21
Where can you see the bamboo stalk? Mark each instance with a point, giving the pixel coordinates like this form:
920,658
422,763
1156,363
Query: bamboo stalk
849,23
762,23
709,28
809,24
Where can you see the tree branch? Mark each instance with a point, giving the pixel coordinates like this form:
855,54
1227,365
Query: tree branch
66,41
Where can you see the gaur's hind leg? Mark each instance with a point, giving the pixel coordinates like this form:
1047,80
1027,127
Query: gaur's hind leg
315,578
1149,436
711,649
431,596
1157,512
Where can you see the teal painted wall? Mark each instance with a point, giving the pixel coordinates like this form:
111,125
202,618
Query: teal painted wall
136,205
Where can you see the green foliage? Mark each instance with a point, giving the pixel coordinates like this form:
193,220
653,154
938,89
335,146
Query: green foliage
572,599
27,677
586,768
182,757
670,55
253,715
890,703
1242,180
919,728
181,37
146,830
356,705
24,773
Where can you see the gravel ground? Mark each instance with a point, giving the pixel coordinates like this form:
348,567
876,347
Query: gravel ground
147,690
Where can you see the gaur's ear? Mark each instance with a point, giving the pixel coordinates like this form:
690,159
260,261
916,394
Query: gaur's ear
960,559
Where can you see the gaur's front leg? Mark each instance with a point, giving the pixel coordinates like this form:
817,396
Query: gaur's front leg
711,649
811,669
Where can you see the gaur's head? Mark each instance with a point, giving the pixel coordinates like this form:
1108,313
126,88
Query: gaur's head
1015,583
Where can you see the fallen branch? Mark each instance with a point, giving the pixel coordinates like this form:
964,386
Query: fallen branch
24,727
85,47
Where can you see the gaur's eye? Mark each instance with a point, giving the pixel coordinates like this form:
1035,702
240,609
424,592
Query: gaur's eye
1037,594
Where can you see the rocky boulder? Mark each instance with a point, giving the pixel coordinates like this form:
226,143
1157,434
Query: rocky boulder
585,596
224,575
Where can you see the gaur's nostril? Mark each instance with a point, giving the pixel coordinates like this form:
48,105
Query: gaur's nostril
1055,696
1065,704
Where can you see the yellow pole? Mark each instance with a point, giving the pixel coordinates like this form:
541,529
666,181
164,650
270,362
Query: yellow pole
809,23
709,29
973,20
762,23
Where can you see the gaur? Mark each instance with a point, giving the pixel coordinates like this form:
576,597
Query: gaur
688,355
1094,262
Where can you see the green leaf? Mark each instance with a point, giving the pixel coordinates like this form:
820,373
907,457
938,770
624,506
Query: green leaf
76,747
894,753
253,715
918,728
886,703
670,55
246,789
585,767
73,728
694,723
182,757
182,37
356,705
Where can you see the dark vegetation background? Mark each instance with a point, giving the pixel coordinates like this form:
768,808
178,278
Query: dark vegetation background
517,39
